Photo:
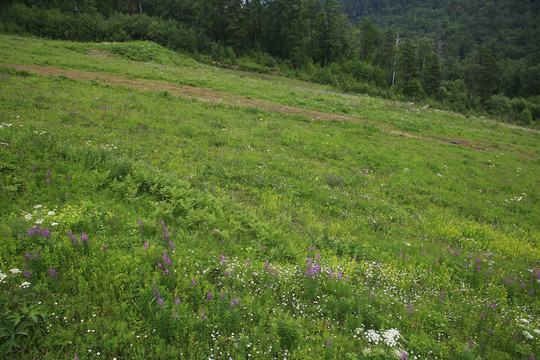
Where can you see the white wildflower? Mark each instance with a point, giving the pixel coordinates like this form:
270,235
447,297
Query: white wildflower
536,331
524,320
390,337
2,276
38,206
54,223
28,217
24,285
14,271
528,335
38,221
373,336
50,213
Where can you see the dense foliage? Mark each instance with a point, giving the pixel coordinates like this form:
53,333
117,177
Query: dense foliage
258,218
313,40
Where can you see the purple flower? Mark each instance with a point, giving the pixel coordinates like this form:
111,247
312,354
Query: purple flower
105,248
223,261
48,181
404,356
249,262
171,245
177,301
146,245
52,273
203,316
27,274
84,238
328,343
161,302
140,223
209,296
28,256
159,265
193,282
166,259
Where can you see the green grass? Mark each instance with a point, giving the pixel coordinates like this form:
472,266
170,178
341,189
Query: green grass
435,240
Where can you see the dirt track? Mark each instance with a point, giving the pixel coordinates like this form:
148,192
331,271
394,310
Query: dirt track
217,97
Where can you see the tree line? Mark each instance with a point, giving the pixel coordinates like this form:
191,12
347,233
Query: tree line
313,40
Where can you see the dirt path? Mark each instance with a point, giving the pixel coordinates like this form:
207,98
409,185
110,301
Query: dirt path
217,97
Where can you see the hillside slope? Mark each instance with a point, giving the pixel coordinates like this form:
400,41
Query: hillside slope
164,208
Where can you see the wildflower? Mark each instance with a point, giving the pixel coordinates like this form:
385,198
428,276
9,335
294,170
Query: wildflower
52,273
28,256
48,181
146,245
171,245
50,213
390,337
193,282
404,355
28,217
177,301
54,223
203,316
27,274
24,285
14,271
38,206
161,302
38,221
329,343
84,238
209,296
2,276
105,248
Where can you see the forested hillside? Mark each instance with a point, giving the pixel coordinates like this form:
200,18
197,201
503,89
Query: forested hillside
466,56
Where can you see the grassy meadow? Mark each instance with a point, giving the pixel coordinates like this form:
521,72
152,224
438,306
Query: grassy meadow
138,224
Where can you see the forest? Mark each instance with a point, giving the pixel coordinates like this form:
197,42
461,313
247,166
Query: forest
474,57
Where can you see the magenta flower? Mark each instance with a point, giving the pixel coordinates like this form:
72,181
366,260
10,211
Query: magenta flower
84,238
52,273
27,274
